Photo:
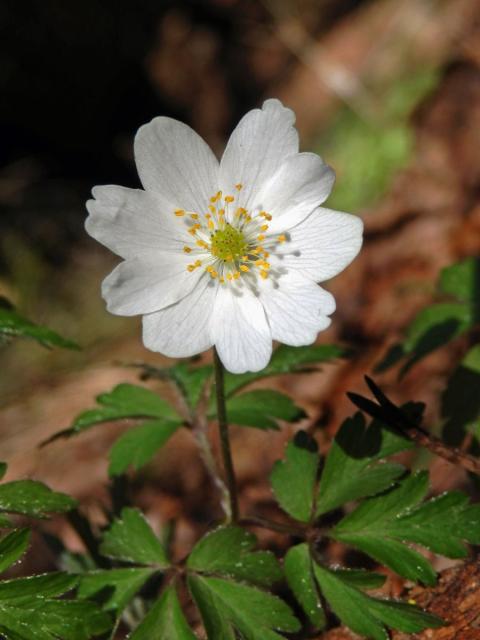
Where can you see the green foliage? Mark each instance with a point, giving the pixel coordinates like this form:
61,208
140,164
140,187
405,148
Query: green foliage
285,360
294,479
164,620
380,526
30,610
366,615
436,325
31,498
138,445
262,409
228,552
114,588
358,450
228,606
300,576
12,324
131,539
12,547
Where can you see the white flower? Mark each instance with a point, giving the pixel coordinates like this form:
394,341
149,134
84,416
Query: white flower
225,254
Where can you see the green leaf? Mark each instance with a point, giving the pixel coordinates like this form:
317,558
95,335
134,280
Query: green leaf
12,547
138,445
28,610
461,400
228,552
190,380
13,324
366,615
226,606
124,401
262,408
114,588
300,578
358,450
361,579
293,479
31,498
461,279
285,359
131,539
164,620
374,528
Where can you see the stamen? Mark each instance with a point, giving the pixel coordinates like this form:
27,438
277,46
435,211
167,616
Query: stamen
194,216
179,213
238,186
281,238
260,238
243,267
264,227
187,249
229,198
264,274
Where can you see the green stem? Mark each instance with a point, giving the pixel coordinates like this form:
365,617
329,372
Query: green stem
224,437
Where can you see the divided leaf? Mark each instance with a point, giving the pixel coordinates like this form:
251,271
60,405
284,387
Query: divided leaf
124,401
262,408
301,580
380,526
32,498
354,467
164,620
284,360
227,607
228,552
293,480
113,588
29,610
131,539
12,547
369,616
138,445
12,324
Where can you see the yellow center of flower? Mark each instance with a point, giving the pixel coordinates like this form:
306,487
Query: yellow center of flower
228,244
227,240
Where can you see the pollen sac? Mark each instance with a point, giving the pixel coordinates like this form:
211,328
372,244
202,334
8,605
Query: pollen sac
228,244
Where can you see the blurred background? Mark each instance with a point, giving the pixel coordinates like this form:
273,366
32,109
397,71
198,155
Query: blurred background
387,91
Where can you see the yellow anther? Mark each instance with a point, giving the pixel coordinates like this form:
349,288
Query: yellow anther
248,218
211,224
258,262
265,253
212,208
221,212
219,195
256,251
222,280
213,274
209,268
194,216
244,258
266,265
229,198
243,267
229,276
264,227
238,186
187,249
260,238
179,213
229,258
236,275
241,211
208,216
281,238
190,267
263,274
213,199
265,215
198,263
193,229
202,243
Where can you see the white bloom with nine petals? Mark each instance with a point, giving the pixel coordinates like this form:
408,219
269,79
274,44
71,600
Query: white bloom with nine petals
224,254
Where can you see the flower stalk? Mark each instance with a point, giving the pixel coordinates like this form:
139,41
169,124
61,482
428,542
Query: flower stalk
230,479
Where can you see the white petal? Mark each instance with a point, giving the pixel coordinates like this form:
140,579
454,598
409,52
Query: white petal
262,140
240,330
296,308
143,285
174,161
132,222
323,244
183,329
302,183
